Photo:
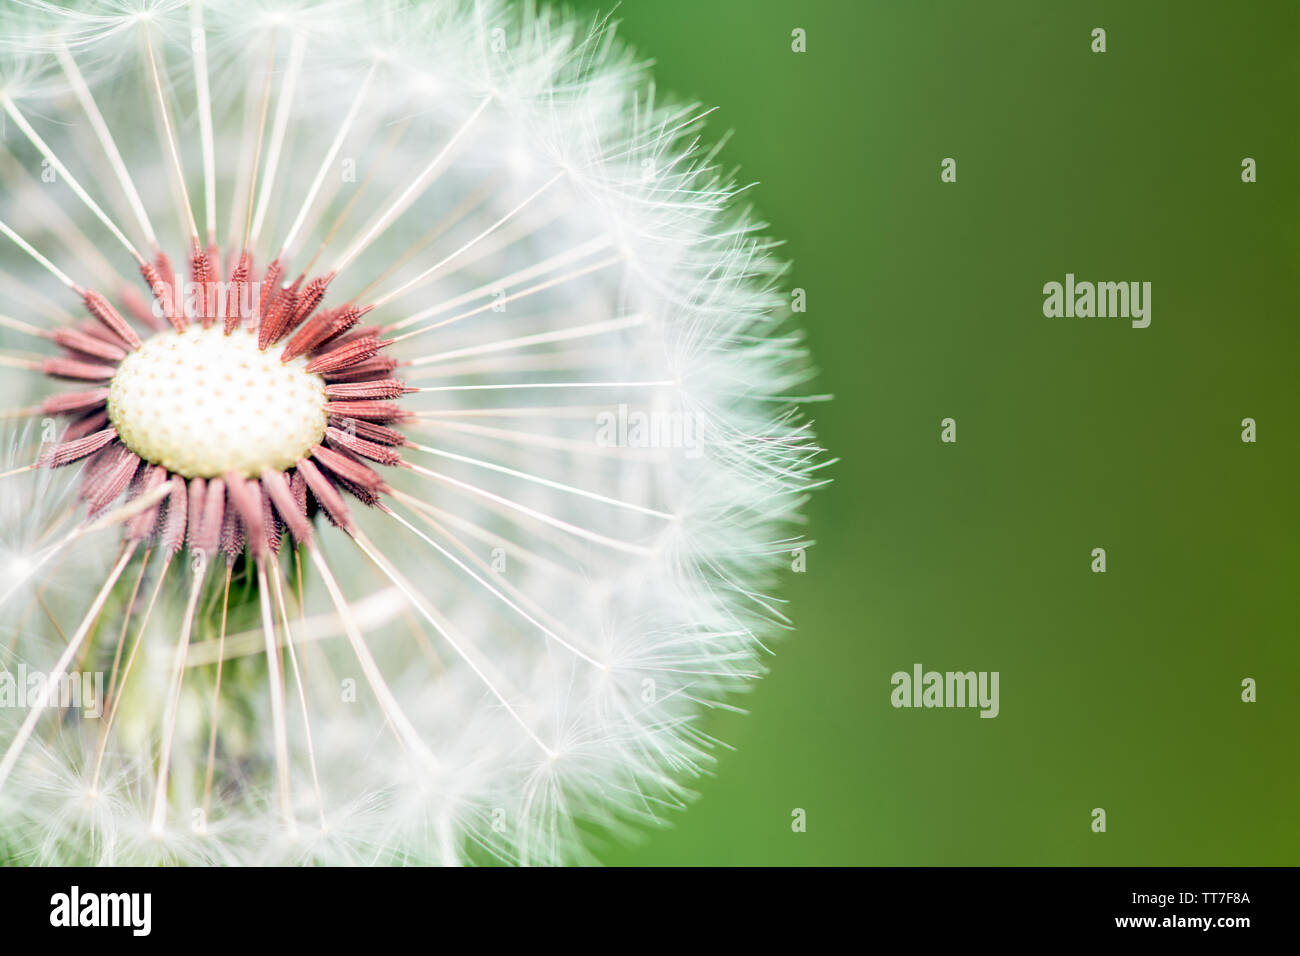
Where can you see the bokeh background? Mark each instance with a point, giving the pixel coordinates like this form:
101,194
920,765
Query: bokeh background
1118,690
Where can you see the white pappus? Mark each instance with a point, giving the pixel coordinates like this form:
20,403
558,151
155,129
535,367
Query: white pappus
318,315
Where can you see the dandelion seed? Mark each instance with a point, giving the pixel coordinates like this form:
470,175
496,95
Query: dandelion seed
346,617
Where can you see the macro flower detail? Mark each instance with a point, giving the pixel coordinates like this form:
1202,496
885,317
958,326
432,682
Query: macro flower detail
412,434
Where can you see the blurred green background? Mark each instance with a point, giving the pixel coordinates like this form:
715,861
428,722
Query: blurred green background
1118,690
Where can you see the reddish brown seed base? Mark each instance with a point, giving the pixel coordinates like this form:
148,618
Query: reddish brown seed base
231,513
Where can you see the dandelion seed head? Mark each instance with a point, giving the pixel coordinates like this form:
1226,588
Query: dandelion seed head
488,513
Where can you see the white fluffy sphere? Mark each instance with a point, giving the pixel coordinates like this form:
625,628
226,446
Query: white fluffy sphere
563,558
